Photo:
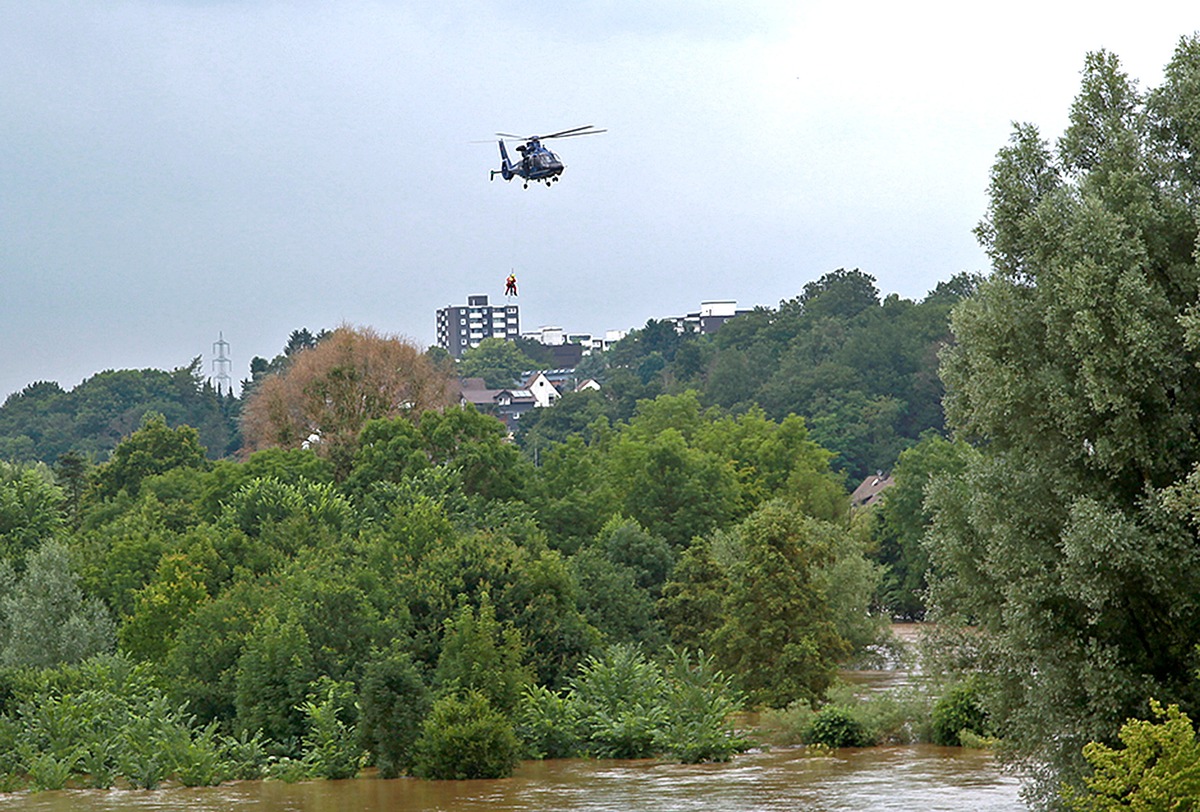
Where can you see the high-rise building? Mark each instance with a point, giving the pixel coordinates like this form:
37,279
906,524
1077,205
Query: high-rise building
459,328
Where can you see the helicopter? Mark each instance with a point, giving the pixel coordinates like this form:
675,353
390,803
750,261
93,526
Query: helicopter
537,163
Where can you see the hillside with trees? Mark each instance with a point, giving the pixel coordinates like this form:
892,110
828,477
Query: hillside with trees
43,421
861,371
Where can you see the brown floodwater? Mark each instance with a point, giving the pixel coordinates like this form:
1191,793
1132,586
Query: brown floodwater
922,777
875,779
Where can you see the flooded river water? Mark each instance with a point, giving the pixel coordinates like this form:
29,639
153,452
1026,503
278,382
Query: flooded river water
877,779
926,778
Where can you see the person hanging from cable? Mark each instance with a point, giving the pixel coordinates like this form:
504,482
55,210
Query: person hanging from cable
510,285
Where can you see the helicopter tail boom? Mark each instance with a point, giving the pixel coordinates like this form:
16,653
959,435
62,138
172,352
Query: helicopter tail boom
506,167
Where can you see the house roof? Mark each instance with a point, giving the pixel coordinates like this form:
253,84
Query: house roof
869,490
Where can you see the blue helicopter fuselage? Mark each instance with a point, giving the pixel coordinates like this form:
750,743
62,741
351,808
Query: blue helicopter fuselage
536,163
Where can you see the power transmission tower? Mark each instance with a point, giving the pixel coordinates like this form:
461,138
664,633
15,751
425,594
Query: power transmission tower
222,366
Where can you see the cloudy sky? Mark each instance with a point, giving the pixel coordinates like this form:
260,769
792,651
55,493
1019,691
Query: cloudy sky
176,170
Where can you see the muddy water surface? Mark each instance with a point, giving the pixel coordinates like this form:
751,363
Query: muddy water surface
878,779
923,778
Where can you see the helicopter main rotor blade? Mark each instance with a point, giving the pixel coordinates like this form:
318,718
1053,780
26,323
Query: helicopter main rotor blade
585,130
569,135
573,131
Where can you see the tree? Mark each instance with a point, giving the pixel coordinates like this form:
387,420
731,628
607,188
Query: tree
573,414
649,558
903,519
482,655
611,600
273,677
71,473
162,607
45,619
620,702
673,490
464,737
331,746
394,702
571,492
776,633
476,446
841,294
153,449
691,603
329,392
261,368
1071,538
43,421
543,604
30,510
499,362
701,702
205,658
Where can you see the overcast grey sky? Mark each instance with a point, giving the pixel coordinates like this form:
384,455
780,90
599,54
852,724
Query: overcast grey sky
175,170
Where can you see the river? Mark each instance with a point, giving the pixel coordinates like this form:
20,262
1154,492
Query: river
876,779
922,777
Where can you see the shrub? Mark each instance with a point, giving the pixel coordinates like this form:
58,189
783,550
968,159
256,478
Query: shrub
244,756
1158,767
47,771
620,702
331,745
197,756
463,737
289,770
102,720
898,715
394,701
700,701
547,724
959,708
836,726
144,756
785,726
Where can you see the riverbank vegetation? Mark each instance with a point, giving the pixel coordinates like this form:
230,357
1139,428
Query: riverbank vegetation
398,600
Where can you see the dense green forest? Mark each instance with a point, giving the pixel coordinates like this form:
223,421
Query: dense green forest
366,575
43,421
384,578
699,559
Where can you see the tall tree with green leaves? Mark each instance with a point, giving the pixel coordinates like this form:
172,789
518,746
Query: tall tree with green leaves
30,510
499,362
1072,538
152,449
777,632
45,619
902,519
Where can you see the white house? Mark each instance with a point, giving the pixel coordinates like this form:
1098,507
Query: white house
544,392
